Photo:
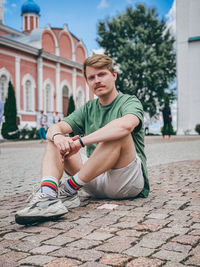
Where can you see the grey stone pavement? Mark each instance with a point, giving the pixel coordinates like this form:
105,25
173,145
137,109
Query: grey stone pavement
161,230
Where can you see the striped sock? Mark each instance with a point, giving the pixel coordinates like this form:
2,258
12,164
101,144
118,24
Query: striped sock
73,184
49,186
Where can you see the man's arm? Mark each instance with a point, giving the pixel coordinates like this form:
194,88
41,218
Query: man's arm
114,130
60,127
56,133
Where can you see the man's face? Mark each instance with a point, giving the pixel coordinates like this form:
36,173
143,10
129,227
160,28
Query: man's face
100,80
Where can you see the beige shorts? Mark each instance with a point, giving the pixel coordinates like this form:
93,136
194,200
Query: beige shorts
121,183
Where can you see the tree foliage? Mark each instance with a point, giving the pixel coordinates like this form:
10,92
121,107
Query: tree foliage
71,107
9,127
143,51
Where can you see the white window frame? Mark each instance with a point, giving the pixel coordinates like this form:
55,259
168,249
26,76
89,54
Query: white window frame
80,102
26,78
4,72
48,83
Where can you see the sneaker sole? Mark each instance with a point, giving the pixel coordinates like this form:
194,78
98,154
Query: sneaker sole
35,219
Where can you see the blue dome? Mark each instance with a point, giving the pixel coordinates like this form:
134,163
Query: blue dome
30,7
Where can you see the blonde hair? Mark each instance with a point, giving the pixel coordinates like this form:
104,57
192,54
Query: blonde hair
98,61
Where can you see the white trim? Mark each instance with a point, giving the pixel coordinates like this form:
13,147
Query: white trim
16,54
33,86
66,70
74,83
48,82
80,102
39,84
17,79
4,71
58,91
53,66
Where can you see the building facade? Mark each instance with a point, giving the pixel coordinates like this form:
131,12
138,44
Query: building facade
44,66
188,65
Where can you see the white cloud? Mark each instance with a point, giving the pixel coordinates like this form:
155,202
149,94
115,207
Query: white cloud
171,16
98,51
103,4
13,5
129,2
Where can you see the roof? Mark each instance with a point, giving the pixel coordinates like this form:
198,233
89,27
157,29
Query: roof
30,7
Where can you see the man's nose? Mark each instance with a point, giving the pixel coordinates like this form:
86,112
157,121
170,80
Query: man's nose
96,79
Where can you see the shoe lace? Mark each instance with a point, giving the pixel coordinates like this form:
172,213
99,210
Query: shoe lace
63,192
35,195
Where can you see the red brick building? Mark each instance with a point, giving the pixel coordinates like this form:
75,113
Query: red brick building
43,64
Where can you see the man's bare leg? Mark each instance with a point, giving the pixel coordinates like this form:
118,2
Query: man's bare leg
53,166
115,154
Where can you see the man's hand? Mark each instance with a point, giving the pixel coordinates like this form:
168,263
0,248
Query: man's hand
66,145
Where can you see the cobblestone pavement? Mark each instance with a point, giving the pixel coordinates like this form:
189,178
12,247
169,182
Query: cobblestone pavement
161,230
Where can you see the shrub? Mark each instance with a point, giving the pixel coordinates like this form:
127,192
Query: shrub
28,134
9,127
197,128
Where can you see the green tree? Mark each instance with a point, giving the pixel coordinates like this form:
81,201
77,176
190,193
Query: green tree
9,127
71,107
143,50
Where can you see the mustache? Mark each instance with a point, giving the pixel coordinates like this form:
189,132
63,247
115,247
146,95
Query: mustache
98,86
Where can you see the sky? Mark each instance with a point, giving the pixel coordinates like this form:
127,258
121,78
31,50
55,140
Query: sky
81,16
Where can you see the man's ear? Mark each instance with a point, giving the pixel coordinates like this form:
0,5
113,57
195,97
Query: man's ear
115,75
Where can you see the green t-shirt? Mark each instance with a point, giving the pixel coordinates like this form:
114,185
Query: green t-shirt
93,115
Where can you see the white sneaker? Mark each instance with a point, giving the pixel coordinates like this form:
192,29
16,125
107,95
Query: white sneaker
70,201
40,208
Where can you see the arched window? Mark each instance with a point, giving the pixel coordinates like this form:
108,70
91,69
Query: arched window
29,89
3,87
80,98
65,101
48,97
28,96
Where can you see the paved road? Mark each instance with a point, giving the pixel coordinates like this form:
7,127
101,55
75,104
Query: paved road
162,230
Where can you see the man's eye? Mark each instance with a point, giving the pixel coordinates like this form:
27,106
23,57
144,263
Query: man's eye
101,74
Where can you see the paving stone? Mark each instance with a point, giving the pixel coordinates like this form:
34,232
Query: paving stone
145,262
117,244
177,247
44,249
61,262
37,238
93,264
15,235
157,216
85,244
193,260
195,232
187,239
118,260
173,264
78,254
138,251
39,260
130,233
11,258
98,236
59,240
150,243
169,255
